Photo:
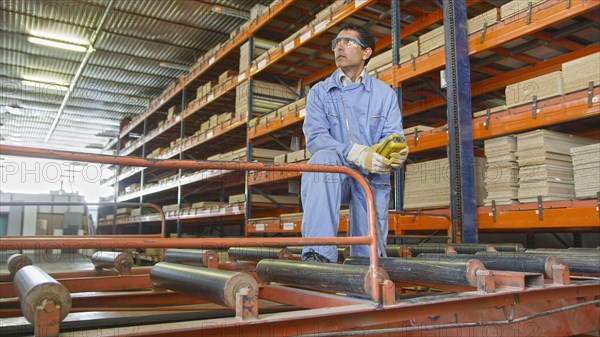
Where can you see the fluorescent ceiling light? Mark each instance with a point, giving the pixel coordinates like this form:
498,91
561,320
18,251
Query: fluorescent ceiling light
56,44
14,111
67,39
45,85
174,66
50,83
236,13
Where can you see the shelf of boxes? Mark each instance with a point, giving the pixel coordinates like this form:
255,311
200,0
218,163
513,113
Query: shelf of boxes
574,105
208,60
191,213
551,111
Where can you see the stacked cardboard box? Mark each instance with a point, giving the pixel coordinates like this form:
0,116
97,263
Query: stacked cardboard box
205,89
226,75
257,11
501,171
586,169
545,166
427,184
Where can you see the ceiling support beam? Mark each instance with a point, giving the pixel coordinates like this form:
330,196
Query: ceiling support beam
81,68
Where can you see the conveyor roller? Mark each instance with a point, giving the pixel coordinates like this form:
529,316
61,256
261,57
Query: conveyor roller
192,257
256,254
508,261
319,276
121,261
577,263
34,286
17,261
216,286
441,272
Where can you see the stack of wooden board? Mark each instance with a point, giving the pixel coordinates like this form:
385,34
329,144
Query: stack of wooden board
260,47
515,7
282,199
544,86
383,61
435,38
501,171
545,167
257,153
577,74
266,97
427,184
586,169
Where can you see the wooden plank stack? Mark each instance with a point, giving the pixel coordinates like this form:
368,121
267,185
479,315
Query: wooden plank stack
544,86
261,46
545,167
578,73
516,7
427,184
282,199
267,97
586,169
383,61
435,38
501,171
257,153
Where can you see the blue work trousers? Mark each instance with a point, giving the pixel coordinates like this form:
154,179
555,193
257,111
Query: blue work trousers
322,196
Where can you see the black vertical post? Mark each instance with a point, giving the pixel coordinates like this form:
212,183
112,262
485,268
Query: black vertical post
463,209
142,177
247,190
396,44
180,171
116,189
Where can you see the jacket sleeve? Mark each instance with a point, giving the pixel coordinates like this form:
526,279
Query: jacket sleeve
317,126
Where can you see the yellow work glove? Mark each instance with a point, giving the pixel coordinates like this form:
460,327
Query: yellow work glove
394,148
368,158
398,158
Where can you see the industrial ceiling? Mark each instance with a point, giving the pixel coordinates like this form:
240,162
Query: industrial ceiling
121,54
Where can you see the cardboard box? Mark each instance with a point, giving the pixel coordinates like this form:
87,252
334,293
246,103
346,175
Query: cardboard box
226,75
224,117
280,159
214,121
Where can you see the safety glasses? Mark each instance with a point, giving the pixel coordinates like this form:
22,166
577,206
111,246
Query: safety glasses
346,42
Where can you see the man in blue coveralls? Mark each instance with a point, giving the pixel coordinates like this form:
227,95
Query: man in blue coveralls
347,116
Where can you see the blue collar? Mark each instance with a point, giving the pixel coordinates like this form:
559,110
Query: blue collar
333,81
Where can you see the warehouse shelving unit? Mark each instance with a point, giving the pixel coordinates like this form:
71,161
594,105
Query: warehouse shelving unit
498,55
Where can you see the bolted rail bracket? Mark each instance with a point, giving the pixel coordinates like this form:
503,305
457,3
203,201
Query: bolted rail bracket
246,305
47,318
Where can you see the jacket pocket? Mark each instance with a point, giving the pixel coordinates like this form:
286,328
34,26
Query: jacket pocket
376,126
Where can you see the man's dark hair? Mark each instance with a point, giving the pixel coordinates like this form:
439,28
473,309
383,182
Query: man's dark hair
363,35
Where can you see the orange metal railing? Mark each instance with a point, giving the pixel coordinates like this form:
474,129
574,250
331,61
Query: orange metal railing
19,243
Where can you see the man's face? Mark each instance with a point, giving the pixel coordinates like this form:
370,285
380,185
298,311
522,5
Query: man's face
350,55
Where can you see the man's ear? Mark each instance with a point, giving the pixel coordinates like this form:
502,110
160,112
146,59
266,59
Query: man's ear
367,53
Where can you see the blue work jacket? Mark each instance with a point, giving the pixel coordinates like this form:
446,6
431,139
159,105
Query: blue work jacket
359,113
